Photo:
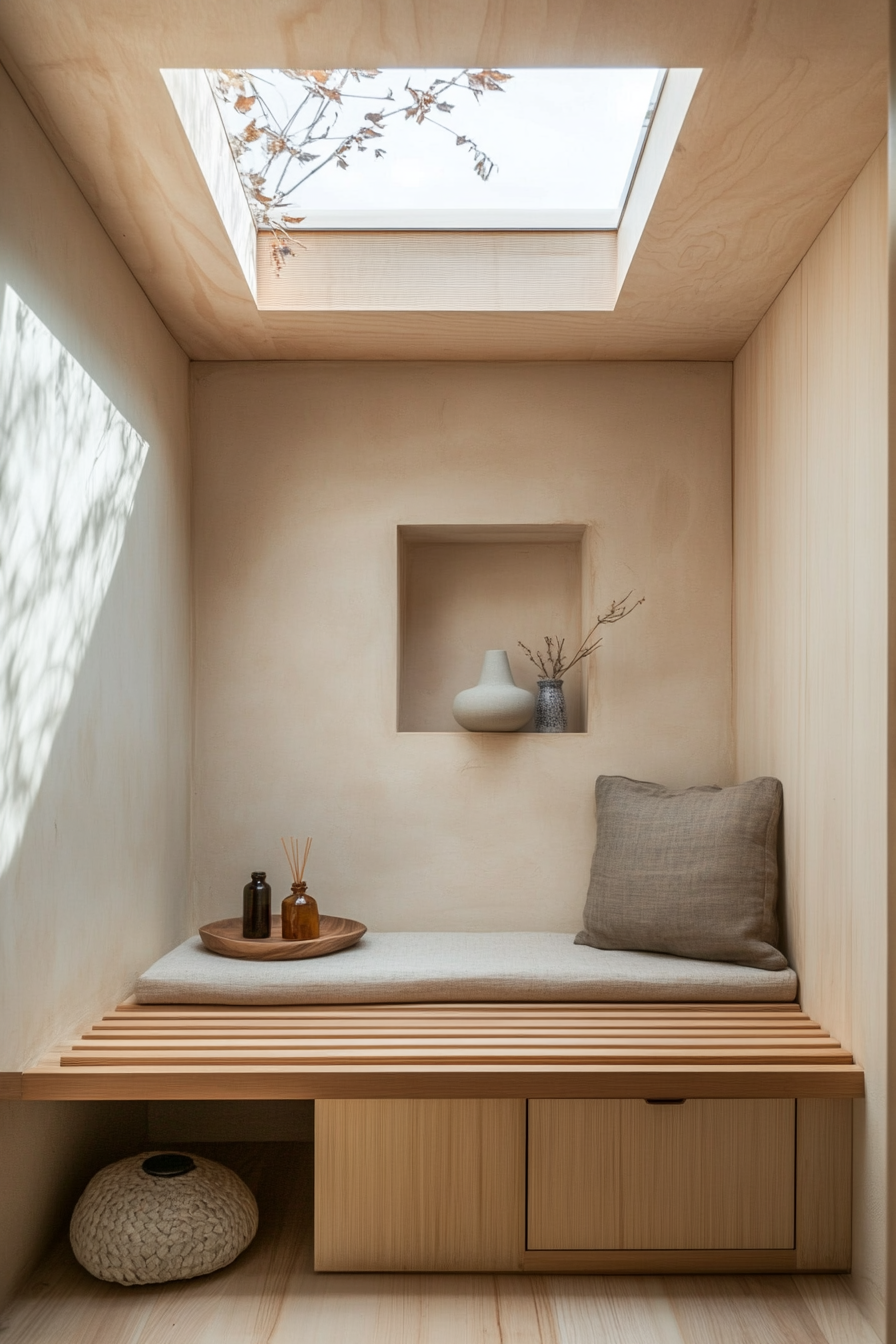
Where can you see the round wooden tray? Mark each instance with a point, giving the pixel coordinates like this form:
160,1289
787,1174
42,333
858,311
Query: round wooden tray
225,936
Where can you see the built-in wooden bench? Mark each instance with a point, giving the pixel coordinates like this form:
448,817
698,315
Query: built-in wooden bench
450,1050
589,1137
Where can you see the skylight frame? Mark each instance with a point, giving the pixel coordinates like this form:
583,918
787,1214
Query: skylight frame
478,220
428,271
649,118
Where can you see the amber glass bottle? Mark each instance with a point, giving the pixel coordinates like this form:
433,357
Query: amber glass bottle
299,915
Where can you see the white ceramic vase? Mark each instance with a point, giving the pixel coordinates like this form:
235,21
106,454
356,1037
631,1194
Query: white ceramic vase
497,704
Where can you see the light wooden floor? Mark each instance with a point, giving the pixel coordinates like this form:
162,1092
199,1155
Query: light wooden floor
272,1296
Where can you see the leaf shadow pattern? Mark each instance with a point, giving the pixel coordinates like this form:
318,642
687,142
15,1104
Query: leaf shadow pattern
69,468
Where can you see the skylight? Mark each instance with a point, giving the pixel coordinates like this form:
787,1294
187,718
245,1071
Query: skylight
437,149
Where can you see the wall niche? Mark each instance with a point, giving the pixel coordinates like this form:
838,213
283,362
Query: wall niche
467,588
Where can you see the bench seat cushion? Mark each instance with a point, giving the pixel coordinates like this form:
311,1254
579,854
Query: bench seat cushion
459,967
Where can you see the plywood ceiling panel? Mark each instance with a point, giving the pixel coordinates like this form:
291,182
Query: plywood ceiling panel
791,105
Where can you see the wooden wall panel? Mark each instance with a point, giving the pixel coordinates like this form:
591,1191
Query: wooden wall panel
419,1185
810,563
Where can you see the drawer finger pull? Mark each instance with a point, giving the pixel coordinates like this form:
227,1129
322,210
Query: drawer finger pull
665,1101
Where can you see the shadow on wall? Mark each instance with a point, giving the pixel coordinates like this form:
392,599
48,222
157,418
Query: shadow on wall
69,468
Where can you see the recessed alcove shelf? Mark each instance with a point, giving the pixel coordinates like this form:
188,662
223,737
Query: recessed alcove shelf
467,588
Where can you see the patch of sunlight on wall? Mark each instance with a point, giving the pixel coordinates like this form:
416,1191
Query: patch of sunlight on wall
69,467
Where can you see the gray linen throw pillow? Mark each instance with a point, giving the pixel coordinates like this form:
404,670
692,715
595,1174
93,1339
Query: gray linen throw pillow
691,872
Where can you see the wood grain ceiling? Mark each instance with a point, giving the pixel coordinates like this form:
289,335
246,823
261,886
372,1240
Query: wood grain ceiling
792,103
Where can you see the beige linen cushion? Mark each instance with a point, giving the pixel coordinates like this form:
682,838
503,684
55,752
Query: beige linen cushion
459,968
690,872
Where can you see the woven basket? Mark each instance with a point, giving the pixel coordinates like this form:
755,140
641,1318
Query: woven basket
132,1227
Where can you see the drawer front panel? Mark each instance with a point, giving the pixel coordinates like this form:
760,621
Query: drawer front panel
628,1175
419,1185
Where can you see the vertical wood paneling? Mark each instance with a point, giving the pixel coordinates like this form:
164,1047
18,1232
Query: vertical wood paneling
810,546
769,548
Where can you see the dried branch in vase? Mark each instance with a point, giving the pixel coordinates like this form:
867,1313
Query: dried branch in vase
553,663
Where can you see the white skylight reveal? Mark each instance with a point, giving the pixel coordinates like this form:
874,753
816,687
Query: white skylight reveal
437,149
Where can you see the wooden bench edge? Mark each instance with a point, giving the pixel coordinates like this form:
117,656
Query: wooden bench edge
48,1082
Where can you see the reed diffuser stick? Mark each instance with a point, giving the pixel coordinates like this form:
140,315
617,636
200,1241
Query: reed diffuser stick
296,867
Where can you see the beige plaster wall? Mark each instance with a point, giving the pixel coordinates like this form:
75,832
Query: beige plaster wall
95,824
302,474
810,566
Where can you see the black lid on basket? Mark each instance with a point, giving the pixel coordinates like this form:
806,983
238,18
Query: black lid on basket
169,1164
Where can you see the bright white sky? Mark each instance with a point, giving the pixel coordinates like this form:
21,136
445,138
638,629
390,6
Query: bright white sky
561,139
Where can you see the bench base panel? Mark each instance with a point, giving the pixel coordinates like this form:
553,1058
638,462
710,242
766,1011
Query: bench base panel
501,1185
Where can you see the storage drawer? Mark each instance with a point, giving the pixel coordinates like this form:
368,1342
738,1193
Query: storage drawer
635,1175
408,1185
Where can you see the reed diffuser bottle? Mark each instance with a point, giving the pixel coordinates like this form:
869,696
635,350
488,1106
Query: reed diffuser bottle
299,917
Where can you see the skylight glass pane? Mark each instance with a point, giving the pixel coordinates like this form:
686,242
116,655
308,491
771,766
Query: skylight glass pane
437,148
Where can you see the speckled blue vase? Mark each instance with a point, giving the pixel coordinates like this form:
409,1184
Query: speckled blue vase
550,708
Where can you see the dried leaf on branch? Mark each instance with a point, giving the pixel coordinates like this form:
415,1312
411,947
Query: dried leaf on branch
273,153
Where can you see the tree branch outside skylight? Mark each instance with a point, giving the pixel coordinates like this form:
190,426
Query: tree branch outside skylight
278,153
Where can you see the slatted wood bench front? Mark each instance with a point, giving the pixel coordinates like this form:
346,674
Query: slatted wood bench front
619,1138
